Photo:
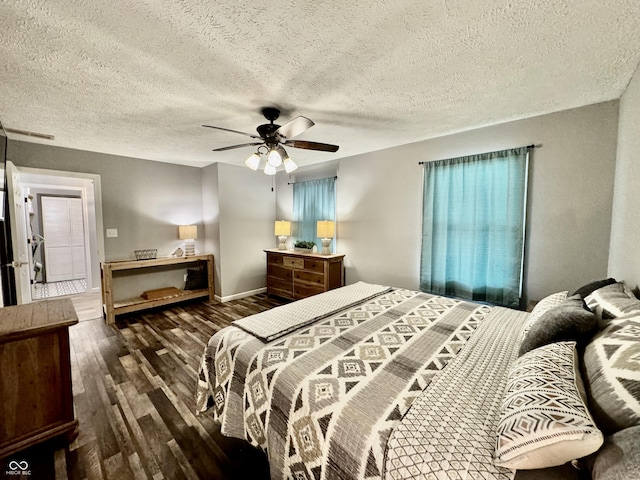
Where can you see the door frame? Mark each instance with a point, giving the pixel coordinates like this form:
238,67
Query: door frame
90,190
20,262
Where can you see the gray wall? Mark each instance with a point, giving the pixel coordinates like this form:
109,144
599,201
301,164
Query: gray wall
144,200
379,199
247,215
379,202
239,211
233,207
211,219
624,255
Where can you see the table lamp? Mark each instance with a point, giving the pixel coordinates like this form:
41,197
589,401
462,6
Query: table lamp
326,230
282,230
188,233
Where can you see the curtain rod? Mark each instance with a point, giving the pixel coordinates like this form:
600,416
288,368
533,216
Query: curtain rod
485,153
291,183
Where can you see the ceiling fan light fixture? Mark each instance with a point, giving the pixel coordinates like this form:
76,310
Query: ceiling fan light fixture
269,169
289,165
274,158
271,138
253,161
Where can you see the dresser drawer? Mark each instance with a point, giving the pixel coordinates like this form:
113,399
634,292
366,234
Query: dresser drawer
283,286
274,259
303,290
299,275
315,265
310,277
293,262
278,271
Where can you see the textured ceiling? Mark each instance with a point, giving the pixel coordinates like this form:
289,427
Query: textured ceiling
138,78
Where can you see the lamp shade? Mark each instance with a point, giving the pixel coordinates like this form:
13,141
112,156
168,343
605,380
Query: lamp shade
326,228
253,161
269,169
289,165
274,158
187,232
283,227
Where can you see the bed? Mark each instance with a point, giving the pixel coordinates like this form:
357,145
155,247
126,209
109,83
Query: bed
372,382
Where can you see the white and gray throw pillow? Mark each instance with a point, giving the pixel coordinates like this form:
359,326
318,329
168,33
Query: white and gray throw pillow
612,301
544,419
612,374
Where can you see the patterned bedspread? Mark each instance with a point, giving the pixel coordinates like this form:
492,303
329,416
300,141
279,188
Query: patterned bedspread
322,401
442,439
277,322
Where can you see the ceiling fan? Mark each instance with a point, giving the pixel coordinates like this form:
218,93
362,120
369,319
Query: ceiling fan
272,137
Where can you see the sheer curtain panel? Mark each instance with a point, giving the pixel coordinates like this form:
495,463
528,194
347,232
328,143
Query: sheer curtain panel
473,226
313,200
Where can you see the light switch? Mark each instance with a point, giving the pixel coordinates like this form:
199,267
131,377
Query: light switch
112,232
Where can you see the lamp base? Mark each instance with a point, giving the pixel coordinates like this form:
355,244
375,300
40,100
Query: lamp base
283,242
326,246
189,248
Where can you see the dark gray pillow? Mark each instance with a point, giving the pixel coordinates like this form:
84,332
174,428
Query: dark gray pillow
571,320
618,458
196,279
585,290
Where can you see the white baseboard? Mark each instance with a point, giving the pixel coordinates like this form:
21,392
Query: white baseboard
236,296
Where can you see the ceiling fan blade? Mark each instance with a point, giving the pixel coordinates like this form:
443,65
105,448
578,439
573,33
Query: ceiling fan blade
324,147
233,131
295,127
222,149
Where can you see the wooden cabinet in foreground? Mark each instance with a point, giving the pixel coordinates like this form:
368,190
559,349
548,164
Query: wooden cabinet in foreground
296,275
36,400
156,298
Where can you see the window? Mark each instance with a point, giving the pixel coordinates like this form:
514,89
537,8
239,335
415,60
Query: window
473,226
313,200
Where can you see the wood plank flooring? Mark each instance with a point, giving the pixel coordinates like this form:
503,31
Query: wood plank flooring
88,306
133,386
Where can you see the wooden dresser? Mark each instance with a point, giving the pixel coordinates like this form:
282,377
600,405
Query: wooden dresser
296,275
36,401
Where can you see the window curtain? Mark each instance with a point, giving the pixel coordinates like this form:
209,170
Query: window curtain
473,226
313,200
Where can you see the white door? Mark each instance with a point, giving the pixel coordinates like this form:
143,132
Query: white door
21,266
63,230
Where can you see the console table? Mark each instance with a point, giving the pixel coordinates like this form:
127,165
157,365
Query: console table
295,275
113,308
36,401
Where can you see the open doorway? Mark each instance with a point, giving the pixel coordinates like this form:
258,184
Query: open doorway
62,226
58,241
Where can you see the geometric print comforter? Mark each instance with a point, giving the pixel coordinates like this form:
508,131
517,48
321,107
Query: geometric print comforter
450,430
323,401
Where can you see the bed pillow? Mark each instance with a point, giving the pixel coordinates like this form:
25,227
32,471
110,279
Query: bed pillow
612,374
612,301
544,305
570,320
585,290
544,420
619,458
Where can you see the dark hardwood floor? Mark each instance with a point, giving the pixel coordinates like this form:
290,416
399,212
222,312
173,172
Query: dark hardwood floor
133,386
